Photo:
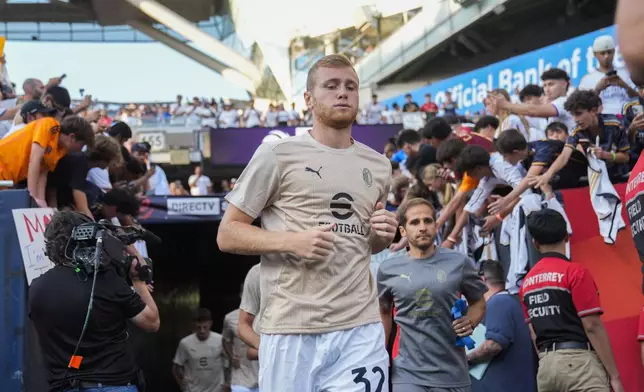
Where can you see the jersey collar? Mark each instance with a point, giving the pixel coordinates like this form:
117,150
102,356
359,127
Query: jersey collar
555,255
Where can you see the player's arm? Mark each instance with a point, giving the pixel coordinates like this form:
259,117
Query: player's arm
476,310
245,329
386,304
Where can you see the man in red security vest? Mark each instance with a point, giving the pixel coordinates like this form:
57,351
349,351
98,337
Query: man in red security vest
634,202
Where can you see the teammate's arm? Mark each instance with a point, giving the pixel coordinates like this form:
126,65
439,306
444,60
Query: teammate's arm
386,302
245,329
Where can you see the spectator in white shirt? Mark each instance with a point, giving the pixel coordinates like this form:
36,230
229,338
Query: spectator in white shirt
397,114
229,117
282,116
613,86
294,116
200,185
252,116
373,111
270,117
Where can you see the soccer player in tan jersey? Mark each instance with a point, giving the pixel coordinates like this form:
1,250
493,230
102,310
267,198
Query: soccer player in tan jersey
321,196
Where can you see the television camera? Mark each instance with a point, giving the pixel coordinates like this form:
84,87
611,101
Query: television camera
99,244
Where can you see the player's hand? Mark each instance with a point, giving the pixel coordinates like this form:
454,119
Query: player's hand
384,223
616,385
234,362
463,327
316,244
396,246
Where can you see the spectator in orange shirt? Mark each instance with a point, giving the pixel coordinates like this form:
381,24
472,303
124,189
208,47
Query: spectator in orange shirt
35,150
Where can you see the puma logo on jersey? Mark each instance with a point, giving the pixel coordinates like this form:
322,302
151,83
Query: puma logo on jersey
408,277
308,169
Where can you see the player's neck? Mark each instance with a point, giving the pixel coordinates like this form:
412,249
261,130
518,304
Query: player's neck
417,253
332,137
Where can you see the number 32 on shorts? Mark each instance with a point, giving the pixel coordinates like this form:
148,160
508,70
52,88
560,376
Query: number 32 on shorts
360,379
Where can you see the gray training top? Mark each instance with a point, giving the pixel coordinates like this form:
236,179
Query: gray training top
423,292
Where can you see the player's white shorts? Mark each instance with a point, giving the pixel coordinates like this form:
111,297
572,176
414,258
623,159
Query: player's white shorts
353,360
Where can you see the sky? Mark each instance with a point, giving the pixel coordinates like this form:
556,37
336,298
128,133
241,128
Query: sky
117,72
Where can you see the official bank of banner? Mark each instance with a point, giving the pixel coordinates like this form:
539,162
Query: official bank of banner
30,226
575,56
179,209
235,146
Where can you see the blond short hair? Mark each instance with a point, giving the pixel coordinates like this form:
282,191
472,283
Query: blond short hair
330,61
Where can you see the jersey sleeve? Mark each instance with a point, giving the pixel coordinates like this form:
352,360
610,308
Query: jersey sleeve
498,322
543,154
128,299
45,130
258,185
621,141
180,357
573,140
251,296
585,295
227,333
482,192
472,285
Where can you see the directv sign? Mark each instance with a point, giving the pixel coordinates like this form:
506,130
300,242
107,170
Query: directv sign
574,56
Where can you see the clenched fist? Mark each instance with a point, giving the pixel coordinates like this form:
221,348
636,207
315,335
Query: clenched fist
316,244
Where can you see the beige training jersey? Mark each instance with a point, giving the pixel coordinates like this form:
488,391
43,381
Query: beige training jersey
298,184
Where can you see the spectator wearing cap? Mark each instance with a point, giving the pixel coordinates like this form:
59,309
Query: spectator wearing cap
29,112
561,303
67,185
614,87
35,150
158,182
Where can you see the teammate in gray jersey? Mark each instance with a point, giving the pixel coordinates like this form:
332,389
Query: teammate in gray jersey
423,285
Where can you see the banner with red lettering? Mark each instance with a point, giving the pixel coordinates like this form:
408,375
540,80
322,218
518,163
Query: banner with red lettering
30,226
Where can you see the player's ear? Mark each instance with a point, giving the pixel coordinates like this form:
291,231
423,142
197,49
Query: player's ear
308,99
402,231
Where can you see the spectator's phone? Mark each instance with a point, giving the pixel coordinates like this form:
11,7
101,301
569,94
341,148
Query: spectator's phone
63,76
611,73
638,109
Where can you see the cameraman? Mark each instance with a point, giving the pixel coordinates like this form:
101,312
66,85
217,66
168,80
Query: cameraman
58,305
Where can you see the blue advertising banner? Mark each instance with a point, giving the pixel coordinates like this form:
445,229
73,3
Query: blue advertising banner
574,56
235,146
181,209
